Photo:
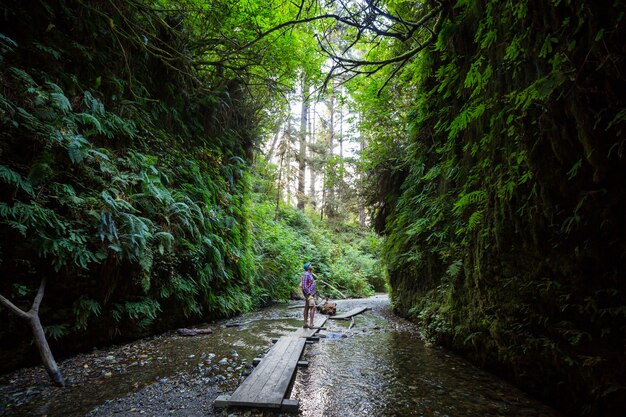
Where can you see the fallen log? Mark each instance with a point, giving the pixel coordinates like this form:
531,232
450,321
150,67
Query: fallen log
193,332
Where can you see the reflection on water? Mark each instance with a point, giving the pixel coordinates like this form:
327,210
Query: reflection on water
383,370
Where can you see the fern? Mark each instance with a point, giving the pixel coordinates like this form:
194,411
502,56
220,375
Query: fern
13,178
83,309
56,331
471,198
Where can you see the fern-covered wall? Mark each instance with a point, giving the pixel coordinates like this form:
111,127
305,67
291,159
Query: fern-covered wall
506,219
123,175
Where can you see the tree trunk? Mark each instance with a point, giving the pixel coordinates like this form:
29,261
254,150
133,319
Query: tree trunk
304,113
280,184
270,152
329,178
312,167
32,318
44,350
340,176
361,181
287,173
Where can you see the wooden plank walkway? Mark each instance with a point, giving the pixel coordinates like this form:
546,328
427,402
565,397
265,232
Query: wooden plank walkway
304,332
268,384
349,314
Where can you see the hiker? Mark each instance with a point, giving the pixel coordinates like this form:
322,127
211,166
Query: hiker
308,289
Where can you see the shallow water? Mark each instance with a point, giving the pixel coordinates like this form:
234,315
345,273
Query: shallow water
380,367
384,369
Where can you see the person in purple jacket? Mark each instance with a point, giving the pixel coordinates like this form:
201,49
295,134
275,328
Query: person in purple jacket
308,289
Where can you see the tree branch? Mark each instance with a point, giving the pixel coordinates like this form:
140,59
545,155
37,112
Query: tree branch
15,309
39,296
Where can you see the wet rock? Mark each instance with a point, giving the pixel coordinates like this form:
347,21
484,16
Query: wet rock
223,361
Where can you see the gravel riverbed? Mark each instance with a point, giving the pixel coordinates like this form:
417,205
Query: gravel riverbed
379,367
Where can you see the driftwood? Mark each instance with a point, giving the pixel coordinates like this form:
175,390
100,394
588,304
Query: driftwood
193,332
334,288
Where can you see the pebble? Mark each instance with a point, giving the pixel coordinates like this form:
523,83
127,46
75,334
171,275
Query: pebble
223,361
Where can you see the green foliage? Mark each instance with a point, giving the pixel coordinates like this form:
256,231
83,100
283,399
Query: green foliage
344,256
500,201
124,160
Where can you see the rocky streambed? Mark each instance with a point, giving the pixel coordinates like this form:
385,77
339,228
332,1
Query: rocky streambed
376,366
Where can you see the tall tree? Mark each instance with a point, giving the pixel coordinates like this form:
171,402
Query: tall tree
304,114
329,176
312,165
361,179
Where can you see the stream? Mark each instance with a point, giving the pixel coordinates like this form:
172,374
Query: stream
379,367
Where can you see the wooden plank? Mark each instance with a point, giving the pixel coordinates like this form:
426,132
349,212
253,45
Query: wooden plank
257,361
255,381
278,382
268,383
350,313
222,401
305,332
249,390
274,390
290,406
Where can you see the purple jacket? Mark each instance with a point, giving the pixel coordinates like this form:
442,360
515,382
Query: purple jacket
308,283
